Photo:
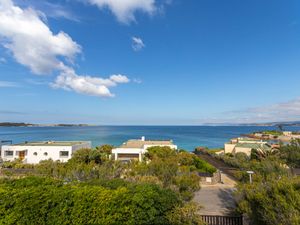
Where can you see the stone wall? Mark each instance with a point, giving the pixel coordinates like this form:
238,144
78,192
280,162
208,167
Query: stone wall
210,179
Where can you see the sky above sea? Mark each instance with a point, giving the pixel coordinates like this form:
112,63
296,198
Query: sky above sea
150,62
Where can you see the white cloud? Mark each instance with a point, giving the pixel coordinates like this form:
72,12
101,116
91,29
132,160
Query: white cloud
280,112
52,10
137,44
124,9
284,111
94,86
31,41
8,84
34,45
119,78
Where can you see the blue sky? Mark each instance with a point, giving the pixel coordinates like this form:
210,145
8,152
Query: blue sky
149,62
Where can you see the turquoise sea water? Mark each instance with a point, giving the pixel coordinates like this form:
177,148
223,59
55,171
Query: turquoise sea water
186,137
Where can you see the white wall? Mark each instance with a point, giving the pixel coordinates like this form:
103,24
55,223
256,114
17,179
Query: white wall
128,150
228,148
139,151
247,151
53,152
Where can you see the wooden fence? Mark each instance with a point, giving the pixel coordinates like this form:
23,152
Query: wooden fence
222,220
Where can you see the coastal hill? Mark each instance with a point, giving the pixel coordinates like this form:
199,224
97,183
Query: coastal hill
267,124
10,124
290,123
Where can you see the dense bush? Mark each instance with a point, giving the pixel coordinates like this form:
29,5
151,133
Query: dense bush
274,201
186,215
203,166
274,195
34,200
93,189
291,153
173,169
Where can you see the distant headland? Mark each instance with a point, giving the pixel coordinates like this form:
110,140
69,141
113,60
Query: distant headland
280,125
10,124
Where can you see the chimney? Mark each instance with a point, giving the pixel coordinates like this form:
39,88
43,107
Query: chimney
143,138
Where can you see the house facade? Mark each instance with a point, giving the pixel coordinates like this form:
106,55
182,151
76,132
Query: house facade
245,145
4,143
34,152
136,148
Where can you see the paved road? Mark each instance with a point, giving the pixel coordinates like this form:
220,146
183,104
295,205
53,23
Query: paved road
217,199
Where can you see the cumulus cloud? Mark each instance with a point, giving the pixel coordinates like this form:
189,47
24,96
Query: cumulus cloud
137,44
31,41
25,34
124,9
94,86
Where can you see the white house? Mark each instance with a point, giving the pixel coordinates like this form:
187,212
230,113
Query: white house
34,152
135,149
4,143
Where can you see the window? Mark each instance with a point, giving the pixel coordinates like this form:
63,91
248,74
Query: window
63,153
35,153
45,153
8,153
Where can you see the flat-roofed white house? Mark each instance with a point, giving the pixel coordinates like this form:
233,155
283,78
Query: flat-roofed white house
34,152
136,148
4,143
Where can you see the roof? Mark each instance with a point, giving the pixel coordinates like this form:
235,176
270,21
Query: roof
253,146
52,143
246,139
141,143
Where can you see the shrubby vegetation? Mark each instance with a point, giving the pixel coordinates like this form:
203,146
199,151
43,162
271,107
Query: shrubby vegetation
291,154
93,189
171,169
274,195
273,132
272,201
36,200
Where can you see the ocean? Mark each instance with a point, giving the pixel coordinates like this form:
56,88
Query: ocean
186,137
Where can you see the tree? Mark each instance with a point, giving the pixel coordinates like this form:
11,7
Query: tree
106,149
160,152
88,155
260,154
291,153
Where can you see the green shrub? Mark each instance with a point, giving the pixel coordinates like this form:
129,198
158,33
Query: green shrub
36,200
274,201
